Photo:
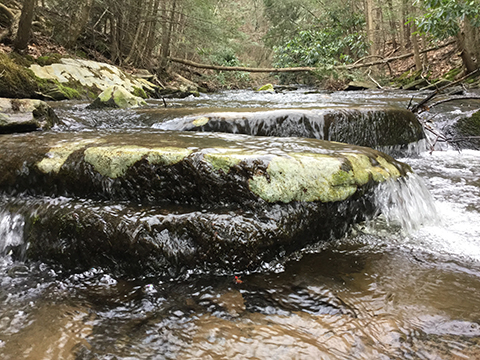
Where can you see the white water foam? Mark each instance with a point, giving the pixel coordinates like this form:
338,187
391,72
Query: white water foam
435,212
406,202
11,231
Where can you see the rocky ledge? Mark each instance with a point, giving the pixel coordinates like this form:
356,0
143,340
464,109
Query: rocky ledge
389,129
168,202
24,115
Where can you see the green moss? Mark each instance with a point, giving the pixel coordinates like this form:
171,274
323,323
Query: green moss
469,126
313,177
16,81
224,161
70,93
452,74
57,156
48,59
21,60
317,177
200,121
266,87
139,92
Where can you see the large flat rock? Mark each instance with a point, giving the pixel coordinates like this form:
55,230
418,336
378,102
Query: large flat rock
168,202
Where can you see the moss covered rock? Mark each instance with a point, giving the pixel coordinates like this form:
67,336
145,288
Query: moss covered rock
167,202
116,97
90,76
266,87
16,81
466,132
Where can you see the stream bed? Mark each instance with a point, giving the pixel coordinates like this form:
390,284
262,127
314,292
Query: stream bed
405,285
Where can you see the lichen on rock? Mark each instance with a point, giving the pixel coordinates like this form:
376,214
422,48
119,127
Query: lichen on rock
114,161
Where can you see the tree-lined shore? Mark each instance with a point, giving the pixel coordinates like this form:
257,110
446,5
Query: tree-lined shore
325,43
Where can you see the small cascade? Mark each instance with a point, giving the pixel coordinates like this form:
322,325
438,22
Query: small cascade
11,232
392,130
406,202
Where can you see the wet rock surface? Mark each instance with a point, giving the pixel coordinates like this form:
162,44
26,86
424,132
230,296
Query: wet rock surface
390,130
25,115
167,202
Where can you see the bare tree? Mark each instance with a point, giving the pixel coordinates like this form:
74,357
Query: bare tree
24,26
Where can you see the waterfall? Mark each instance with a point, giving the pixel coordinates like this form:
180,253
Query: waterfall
406,202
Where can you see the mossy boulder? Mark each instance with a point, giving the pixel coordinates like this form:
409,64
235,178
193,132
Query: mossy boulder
116,97
266,87
466,132
16,81
360,85
24,115
166,203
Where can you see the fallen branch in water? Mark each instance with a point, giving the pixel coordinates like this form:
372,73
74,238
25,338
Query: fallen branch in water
453,99
422,104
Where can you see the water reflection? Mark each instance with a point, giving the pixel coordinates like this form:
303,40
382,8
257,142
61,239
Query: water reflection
385,291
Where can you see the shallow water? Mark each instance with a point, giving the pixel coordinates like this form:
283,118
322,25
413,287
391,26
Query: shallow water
405,285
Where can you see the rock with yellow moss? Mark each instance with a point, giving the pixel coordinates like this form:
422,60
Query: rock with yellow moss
166,202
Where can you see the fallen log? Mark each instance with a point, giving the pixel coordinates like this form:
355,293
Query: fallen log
356,65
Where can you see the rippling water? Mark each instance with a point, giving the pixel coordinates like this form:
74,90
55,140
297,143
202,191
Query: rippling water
403,286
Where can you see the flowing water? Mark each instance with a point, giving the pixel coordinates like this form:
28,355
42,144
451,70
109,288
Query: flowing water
405,285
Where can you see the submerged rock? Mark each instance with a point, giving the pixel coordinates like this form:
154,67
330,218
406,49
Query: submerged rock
167,202
24,115
391,130
116,97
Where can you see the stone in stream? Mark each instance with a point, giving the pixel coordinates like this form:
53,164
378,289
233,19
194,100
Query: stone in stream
395,131
116,97
24,115
167,202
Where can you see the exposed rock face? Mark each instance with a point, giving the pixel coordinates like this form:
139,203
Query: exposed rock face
90,74
391,130
116,97
148,196
24,115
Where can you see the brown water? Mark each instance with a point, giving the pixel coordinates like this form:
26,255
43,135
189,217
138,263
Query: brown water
401,287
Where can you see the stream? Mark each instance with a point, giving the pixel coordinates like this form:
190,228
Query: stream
405,285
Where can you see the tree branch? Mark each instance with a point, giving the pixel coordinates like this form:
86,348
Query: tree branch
300,69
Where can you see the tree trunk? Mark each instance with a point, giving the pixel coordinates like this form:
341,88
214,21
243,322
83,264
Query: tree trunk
472,39
370,26
464,53
406,27
167,34
79,21
24,25
391,20
416,50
